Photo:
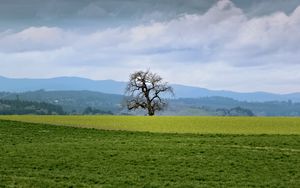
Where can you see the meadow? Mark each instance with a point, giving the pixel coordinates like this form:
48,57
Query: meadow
40,155
173,124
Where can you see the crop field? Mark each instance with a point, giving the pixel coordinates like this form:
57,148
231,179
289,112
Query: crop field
174,124
40,155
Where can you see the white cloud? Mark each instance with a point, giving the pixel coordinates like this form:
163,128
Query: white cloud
35,39
93,10
220,49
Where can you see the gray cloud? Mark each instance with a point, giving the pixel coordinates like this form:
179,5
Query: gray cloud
219,48
16,14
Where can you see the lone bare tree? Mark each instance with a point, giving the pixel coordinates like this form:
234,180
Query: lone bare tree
144,90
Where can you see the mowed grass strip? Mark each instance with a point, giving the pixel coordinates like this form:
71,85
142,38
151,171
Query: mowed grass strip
36,155
174,124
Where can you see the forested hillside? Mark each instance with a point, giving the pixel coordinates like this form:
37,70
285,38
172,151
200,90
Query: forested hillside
73,102
8,107
89,102
271,108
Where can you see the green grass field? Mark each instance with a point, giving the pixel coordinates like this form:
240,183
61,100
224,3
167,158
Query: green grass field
37,155
174,124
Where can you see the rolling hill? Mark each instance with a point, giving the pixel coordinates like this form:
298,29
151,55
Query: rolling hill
76,102
117,87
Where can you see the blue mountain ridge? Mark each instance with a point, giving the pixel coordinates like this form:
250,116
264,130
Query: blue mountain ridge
118,87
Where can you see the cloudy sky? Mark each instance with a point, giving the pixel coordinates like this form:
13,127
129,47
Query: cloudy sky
231,45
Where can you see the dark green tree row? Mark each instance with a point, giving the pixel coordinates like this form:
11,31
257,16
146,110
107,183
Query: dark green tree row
237,111
19,107
94,111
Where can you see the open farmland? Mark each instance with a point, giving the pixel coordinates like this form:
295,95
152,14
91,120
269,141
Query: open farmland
174,124
38,155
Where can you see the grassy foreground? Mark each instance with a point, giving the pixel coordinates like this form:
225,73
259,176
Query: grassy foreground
36,155
174,124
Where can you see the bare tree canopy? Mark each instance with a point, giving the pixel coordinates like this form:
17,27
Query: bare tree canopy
144,90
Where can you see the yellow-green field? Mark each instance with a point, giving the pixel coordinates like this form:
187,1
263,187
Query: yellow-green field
178,124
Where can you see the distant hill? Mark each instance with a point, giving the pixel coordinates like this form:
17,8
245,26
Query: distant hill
91,102
116,87
269,108
182,91
9,107
61,83
71,101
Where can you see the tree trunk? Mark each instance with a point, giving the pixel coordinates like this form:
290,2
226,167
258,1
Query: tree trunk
150,111
151,114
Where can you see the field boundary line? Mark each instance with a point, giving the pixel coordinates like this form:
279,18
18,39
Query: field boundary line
259,148
44,179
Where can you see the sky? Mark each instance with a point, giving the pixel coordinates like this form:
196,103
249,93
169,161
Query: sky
233,45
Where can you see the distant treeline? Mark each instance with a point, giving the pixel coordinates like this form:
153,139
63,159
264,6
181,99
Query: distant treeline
93,111
72,102
237,111
92,103
19,107
270,108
